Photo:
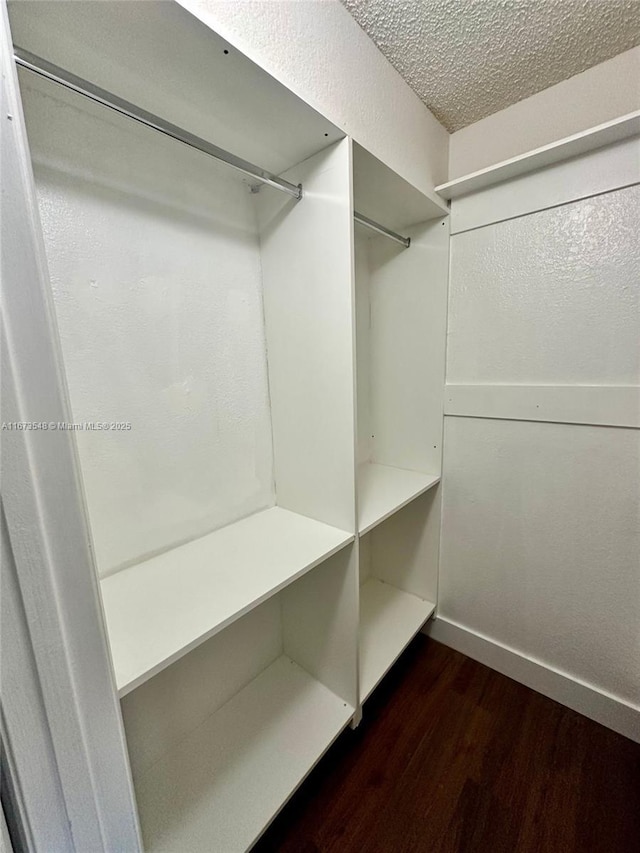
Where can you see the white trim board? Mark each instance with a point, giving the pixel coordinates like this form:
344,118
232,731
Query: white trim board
607,169
390,619
598,405
547,155
561,687
47,522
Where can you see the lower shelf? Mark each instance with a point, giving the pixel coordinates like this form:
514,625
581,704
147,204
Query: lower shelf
389,619
221,787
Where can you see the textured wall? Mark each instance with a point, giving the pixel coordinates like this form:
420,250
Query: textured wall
541,536
550,297
541,519
316,49
155,271
469,59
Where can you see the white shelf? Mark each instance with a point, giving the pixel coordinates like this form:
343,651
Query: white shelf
389,619
239,116
382,490
162,608
382,195
563,149
221,787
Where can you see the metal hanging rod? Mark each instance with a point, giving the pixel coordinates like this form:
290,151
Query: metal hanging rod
76,84
380,229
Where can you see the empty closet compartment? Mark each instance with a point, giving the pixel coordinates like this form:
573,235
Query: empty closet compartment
401,257
205,326
398,584
219,740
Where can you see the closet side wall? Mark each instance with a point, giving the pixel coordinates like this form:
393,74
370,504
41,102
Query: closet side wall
540,573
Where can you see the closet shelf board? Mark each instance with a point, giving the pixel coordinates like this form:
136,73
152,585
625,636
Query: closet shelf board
571,146
382,490
222,785
160,609
389,619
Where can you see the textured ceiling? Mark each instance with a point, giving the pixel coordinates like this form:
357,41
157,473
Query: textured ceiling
467,59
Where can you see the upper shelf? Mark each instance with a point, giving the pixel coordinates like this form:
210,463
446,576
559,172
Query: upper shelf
158,610
383,490
382,195
160,57
563,149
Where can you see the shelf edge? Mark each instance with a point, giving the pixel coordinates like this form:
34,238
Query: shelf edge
369,526
583,142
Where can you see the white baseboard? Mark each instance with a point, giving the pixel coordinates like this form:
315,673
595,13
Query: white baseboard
583,698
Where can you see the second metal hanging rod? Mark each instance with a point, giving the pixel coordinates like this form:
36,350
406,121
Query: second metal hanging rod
76,84
380,229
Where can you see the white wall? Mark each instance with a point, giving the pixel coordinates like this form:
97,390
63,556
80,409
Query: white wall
317,49
155,269
540,565
604,92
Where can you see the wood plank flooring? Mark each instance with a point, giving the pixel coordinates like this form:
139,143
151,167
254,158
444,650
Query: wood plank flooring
451,756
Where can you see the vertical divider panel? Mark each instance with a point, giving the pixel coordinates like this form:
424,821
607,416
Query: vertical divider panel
307,266
320,626
306,249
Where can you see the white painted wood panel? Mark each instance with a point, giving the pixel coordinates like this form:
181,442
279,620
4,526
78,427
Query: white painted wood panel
540,544
162,608
29,760
389,619
551,298
362,285
221,786
604,405
583,176
157,55
548,155
383,490
308,304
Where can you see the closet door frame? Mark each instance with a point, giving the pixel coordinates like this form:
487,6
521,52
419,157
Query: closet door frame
46,515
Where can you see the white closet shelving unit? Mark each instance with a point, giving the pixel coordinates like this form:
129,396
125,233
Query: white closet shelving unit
247,630
400,311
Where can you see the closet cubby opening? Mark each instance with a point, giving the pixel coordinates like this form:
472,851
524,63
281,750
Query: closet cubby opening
400,300
398,574
182,314
220,740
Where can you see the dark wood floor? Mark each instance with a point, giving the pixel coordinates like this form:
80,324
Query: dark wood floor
451,756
